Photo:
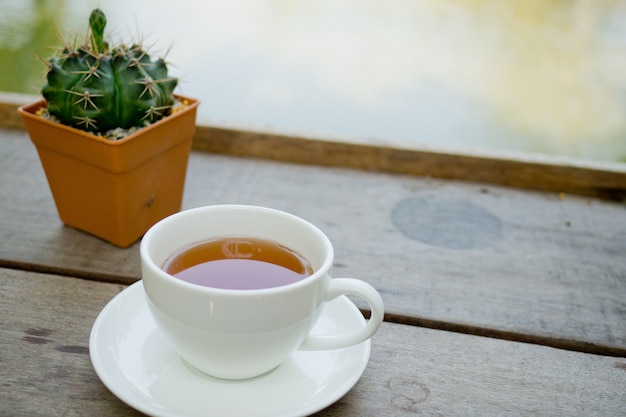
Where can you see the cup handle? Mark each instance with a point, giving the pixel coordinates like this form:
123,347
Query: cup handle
361,289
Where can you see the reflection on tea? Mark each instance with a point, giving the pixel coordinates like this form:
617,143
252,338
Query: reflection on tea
240,263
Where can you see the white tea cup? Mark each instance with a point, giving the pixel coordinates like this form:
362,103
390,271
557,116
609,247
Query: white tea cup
240,333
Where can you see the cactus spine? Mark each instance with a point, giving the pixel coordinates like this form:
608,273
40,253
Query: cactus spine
97,88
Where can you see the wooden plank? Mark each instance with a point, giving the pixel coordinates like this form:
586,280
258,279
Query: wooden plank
44,333
513,169
46,321
602,180
9,102
536,267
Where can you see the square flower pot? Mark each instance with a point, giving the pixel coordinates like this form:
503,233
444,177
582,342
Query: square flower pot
115,190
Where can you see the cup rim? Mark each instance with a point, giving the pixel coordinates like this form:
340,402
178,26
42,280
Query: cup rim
146,258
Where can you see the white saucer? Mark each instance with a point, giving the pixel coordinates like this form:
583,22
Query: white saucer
132,358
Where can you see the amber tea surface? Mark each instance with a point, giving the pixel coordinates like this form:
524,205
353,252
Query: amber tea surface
237,262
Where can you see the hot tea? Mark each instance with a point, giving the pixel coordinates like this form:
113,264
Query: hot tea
237,262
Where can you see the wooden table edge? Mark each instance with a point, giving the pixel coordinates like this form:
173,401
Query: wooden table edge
604,180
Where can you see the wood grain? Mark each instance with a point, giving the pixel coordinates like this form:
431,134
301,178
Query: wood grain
512,169
480,259
46,321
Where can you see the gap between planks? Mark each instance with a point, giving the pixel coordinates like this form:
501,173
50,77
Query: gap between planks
565,344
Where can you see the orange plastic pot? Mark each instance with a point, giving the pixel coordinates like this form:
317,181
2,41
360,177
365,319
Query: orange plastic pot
115,190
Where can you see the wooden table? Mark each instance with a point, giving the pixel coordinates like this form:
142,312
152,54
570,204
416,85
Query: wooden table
499,301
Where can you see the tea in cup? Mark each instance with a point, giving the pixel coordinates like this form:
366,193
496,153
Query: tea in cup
237,289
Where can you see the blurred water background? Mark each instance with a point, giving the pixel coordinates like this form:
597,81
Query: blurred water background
546,77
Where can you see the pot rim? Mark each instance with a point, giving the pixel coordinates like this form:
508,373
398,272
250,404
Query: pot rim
29,111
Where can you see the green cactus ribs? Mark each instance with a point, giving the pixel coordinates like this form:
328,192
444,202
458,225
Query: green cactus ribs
101,88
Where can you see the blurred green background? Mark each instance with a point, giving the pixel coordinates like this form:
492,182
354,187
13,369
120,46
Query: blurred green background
535,76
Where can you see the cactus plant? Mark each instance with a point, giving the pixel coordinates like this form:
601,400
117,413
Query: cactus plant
96,87
96,94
